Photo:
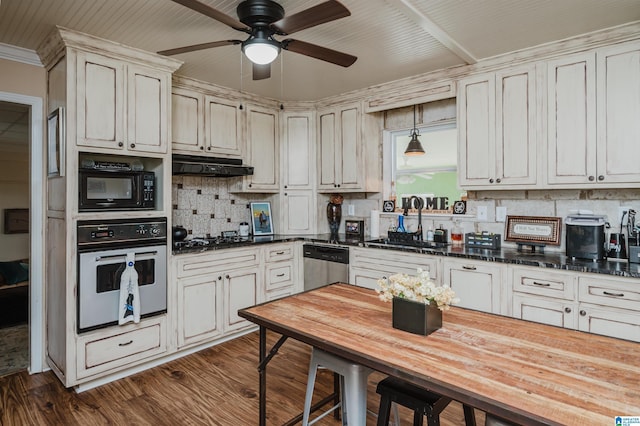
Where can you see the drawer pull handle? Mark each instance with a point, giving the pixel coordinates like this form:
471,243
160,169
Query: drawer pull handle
606,293
126,344
469,268
541,284
280,252
280,275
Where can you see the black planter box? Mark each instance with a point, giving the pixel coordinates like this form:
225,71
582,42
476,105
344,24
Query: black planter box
415,317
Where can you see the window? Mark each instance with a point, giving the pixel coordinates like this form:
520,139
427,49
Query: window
431,175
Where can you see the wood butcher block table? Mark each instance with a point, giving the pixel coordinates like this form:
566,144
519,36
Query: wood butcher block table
522,371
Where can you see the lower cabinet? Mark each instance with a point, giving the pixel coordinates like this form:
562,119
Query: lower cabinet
367,265
111,349
545,310
281,273
241,290
477,284
200,317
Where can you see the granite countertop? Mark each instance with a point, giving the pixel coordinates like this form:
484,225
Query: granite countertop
553,260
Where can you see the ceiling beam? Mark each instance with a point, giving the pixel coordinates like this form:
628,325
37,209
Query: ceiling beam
433,29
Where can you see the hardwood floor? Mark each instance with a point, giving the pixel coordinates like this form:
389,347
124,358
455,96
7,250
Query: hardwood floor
216,386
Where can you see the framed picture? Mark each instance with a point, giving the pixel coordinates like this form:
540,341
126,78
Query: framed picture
533,229
261,218
16,221
55,143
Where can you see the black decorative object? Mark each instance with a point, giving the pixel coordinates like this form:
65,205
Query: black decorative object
460,207
334,216
416,317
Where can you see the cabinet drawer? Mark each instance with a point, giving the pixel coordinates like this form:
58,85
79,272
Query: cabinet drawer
387,262
280,293
111,351
214,261
279,252
610,292
279,275
544,283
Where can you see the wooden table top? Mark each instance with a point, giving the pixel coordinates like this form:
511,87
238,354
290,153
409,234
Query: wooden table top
523,371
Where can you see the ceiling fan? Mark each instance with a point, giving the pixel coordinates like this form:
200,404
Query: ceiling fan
264,19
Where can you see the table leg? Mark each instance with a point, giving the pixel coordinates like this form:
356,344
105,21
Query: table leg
263,377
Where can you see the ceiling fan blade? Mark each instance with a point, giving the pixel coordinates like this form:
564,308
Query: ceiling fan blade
261,72
213,13
195,47
319,52
316,15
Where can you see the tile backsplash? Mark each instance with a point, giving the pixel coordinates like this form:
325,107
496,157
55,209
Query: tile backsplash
205,207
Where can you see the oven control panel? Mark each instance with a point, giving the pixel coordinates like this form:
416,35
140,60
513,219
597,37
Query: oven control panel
121,230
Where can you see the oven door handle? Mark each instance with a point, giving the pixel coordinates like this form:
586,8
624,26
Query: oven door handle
124,256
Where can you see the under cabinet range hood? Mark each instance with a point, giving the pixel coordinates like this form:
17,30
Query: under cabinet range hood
209,166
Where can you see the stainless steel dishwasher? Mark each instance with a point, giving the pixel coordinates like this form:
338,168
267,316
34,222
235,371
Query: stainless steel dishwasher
324,265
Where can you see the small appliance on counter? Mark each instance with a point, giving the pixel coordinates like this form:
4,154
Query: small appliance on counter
585,236
440,235
243,230
354,228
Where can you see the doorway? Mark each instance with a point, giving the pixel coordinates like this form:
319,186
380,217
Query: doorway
21,233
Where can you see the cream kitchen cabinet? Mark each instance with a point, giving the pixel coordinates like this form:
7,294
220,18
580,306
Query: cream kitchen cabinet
609,306
544,296
205,125
592,110
298,173
340,149
121,106
497,129
368,265
478,284
263,150
212,286
281,272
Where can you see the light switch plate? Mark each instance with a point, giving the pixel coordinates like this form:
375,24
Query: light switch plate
481,212
501,214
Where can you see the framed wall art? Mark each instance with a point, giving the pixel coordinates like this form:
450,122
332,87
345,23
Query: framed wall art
55,143
16,221
261,218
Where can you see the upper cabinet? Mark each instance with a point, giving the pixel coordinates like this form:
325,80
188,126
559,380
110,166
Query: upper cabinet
341,163
298,168
592,118
263,149
205,124
497,129
121,106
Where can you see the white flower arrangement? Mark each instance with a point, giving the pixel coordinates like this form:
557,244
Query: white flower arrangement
419,288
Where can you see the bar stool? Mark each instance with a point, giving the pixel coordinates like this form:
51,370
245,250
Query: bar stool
353,388
491,420
421,401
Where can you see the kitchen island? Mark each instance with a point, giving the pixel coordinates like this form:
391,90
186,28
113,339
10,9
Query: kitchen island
529,373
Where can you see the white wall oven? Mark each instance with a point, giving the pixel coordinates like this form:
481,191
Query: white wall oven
103,246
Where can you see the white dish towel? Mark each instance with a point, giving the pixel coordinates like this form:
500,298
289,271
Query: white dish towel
129,309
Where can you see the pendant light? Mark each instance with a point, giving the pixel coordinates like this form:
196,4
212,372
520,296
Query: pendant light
414,147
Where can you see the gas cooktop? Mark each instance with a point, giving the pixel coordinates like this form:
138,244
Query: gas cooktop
209,242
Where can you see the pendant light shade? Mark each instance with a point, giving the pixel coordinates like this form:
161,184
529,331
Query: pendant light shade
260,48
414,147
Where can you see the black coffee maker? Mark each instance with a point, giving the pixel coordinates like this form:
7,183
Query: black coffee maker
585,236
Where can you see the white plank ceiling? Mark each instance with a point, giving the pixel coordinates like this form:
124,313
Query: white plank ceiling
392,39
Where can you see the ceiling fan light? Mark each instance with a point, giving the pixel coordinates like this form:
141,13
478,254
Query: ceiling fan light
414,148
260,51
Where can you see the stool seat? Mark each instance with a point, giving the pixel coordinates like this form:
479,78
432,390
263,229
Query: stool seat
421,401
491,420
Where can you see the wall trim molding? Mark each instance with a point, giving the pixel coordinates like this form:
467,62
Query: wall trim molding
19,54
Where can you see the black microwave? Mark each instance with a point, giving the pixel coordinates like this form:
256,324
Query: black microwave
116,190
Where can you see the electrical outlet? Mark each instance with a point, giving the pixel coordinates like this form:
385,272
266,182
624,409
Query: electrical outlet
501,214
351,210
482,212
622,210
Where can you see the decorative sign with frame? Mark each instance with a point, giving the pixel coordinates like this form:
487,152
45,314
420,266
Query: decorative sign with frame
533,230
261,218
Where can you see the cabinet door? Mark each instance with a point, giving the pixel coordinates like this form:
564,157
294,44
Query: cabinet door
262,142
223,127
613,322
240,291
148,104
299,212
479,286
199,314
100,102
571,120
618,74
545,310
298,166
515,133
187,121
476,131
349,160
327,140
